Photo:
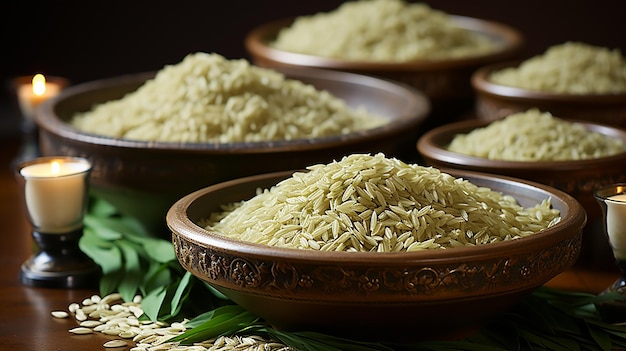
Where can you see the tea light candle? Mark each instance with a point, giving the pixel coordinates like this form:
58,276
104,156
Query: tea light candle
55,191
616,224
31,95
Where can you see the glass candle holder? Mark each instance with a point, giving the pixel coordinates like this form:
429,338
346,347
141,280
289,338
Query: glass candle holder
55,195
612,200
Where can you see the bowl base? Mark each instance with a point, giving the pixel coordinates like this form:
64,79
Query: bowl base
388,322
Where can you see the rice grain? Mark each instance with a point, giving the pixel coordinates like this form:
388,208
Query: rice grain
439,210
242,103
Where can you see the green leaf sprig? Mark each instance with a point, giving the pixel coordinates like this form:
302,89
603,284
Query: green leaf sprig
134,261
547,320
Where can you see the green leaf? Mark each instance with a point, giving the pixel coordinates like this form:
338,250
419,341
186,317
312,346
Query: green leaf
103,253
215,292
181,291
327,342
159,250
602,338
151,303
223,322
157,275
132,278
101,208
206,316
110,281
102,227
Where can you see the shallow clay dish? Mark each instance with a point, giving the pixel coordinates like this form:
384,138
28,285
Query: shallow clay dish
443,81
404,295
577,178
495,101
143,179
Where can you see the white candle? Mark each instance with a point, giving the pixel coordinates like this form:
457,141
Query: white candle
31,94
55,192
616,224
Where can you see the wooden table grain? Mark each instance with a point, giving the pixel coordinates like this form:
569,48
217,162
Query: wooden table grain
25,319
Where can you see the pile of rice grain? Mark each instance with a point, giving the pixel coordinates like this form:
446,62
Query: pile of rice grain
378,204
207,98
570,68
535,136
382,30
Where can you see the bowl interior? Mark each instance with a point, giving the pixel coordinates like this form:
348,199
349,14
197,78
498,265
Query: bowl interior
433,147
343,292
403,106
481,82
495,101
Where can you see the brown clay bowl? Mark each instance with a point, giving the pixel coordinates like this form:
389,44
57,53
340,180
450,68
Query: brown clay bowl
375,295
495,101
577,178
143,179
443,81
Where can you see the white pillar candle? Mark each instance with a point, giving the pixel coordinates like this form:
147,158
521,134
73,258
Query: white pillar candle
31,94
616,224
55,191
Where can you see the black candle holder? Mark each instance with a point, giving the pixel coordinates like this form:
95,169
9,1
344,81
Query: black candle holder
614,219
59,263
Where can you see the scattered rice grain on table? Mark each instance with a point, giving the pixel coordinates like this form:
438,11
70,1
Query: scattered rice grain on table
210,99
110,315
533,135
382,30
570,68
373,203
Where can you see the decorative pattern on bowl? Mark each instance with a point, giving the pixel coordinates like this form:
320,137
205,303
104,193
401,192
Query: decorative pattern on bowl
297,280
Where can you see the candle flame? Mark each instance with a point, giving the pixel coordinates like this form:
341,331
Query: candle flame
39,84
55,167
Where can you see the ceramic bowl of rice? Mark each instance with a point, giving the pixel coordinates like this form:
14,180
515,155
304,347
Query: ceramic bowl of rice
424,47
576,157
573,80
372,247
154,137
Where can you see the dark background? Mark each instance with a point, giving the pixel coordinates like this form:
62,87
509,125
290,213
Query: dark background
87,40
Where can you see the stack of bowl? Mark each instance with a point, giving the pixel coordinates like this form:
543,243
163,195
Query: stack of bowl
579,178
585,91
180,184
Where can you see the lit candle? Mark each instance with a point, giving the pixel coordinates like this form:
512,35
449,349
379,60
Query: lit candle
55,191
31,94
616,224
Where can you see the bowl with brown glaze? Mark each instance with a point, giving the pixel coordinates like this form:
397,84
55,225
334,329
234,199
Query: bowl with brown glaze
421,294
578,178
495,101
144,178
445,82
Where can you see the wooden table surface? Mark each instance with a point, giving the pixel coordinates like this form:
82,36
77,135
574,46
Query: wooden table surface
25,319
